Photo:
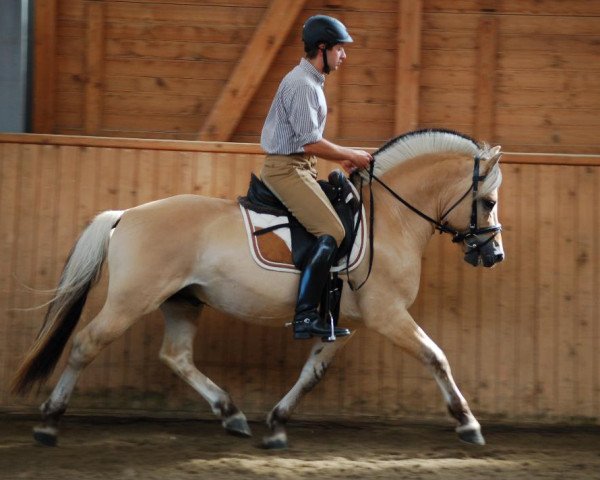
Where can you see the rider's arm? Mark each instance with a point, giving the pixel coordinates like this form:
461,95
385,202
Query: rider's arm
336,153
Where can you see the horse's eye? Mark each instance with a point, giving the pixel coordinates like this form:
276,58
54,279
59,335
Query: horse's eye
489,204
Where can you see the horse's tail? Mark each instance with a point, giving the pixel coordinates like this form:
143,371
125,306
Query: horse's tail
80,273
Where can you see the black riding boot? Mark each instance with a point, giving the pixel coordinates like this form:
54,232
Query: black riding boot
307,321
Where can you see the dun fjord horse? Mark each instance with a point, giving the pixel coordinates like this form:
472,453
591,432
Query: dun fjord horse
450,183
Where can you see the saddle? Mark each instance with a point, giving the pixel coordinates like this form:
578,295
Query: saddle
340,193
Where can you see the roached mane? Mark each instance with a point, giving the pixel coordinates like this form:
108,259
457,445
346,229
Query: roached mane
423,142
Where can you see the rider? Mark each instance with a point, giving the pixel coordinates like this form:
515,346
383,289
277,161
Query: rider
292,137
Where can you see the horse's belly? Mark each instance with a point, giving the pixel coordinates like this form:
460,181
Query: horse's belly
264,303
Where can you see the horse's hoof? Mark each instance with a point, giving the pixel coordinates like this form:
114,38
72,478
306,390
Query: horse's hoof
237,425
472,436
47,436
275,442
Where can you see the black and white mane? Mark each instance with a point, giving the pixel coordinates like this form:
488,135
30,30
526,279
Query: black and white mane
423,142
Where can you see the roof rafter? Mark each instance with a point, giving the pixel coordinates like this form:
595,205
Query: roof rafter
250,70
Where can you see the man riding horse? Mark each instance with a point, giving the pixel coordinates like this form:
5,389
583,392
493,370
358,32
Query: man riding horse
292,137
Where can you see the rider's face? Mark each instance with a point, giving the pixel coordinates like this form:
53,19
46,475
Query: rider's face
335,56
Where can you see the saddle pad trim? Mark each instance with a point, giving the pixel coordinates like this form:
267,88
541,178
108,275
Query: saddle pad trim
255,250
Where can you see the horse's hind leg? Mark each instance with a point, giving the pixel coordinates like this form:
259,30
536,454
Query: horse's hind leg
177,352
315,367
107,326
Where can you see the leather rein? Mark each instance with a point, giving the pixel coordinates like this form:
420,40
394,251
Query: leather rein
469,237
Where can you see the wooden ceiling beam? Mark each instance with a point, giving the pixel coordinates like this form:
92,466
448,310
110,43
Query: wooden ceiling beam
250,70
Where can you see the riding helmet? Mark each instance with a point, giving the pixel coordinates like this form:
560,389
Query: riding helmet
324,29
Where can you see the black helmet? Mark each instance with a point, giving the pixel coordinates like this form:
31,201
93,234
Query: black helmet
324,29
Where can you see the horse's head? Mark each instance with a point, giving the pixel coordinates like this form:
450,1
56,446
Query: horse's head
463,178
473,219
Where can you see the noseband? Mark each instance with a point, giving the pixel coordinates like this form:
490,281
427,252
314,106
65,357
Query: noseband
469,237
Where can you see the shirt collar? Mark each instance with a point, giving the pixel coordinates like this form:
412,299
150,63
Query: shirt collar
311,70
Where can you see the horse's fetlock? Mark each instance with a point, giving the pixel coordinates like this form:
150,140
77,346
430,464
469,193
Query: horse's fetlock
460,412
51,413
45,408
224,409
277,417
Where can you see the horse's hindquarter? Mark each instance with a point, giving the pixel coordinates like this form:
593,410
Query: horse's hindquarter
190,240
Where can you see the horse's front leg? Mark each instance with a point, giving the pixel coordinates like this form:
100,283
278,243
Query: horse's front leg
319,359
400,327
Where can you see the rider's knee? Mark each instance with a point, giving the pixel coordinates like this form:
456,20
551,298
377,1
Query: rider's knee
338,233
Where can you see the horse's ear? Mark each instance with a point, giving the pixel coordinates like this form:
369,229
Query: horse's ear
495,153
494,157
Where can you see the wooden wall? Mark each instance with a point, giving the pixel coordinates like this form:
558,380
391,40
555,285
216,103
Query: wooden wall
523,339
523,73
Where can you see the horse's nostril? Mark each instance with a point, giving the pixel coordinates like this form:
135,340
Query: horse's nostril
499,257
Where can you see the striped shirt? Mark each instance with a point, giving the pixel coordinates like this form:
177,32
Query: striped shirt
297,114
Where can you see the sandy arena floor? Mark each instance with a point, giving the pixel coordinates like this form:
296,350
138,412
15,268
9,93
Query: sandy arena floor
116,448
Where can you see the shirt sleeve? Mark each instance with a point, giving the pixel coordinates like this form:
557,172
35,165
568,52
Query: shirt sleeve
303,114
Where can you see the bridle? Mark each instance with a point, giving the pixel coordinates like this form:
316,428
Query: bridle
469,237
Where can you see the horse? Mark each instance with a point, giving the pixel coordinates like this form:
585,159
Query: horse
452,184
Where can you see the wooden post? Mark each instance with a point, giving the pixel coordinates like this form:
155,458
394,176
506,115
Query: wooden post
251,69
94,67
408,65
487,53
44,66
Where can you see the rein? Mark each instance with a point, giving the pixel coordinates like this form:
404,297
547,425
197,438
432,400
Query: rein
469,237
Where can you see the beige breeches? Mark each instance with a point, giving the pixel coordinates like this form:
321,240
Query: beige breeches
293,179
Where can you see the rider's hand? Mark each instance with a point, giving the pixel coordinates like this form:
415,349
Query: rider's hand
361,159
348,166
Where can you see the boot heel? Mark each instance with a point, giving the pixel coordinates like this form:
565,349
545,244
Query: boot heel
302,335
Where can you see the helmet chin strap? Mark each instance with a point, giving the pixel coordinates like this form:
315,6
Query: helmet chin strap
326,68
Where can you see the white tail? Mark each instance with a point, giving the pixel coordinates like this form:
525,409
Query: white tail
79,275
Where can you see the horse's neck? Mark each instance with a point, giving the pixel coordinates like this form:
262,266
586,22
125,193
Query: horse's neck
428,183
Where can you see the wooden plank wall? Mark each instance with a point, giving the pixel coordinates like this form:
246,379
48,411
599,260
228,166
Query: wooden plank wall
524,73
523,339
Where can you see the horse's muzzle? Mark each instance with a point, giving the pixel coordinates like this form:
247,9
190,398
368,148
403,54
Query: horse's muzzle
488,255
